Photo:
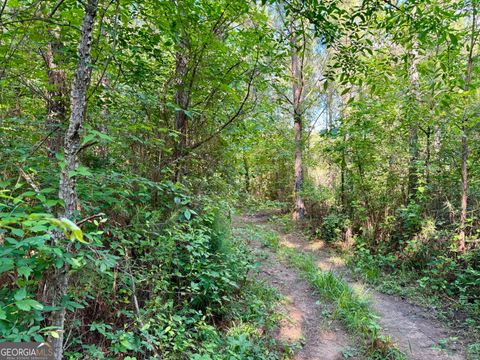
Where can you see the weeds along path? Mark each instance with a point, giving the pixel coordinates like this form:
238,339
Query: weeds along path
411,327
303,328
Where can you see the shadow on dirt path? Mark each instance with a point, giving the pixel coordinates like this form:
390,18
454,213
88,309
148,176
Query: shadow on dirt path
411,327
303,326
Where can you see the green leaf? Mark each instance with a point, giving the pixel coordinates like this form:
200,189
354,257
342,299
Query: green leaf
81,170
59,263
40,216
58,223
127,344
6,265
28,304
187,214
76,263
3,314
75,232
453,39
24,271
69,228
35,304
18,232
39,228
20,294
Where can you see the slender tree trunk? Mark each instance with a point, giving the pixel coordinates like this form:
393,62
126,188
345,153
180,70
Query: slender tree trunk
412,167
330,108
299,212
68,191
104,115
464,195
247,174
56,104
182,102
344,175
297,89
428,133
415,97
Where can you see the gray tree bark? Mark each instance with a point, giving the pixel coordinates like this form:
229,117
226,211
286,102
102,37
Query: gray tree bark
67,191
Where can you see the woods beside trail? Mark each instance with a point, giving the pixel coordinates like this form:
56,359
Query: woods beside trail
214,179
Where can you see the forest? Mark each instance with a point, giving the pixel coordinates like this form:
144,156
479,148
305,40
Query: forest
217,179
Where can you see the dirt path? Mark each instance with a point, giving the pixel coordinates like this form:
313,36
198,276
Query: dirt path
303,326
411,327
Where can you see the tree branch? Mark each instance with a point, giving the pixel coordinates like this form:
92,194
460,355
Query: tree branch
88,218
234,117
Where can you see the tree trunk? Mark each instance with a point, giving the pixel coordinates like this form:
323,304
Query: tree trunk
104,116
464,195
182,102
343,175
412,167
415,97
297,89
67,191
247,174
464,198
428,133
330,108
56,104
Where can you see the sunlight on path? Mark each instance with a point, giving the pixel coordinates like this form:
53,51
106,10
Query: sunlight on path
303,326
409,326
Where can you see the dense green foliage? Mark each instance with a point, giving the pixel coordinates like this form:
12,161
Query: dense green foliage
178,263
189,113
152,267
416,83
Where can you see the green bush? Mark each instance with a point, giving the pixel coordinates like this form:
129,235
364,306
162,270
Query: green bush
168,279
460,279
29,256
411,218
333,227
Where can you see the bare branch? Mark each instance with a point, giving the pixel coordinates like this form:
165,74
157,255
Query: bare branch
89,218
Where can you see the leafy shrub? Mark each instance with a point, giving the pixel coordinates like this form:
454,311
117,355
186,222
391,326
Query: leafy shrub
29,256
167,279
454,278
438,274
411,218
370,265
333,227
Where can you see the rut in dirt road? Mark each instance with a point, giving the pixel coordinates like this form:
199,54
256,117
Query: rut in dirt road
409,326
302,326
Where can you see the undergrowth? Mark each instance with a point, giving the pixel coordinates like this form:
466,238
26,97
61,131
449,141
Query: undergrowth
144,280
